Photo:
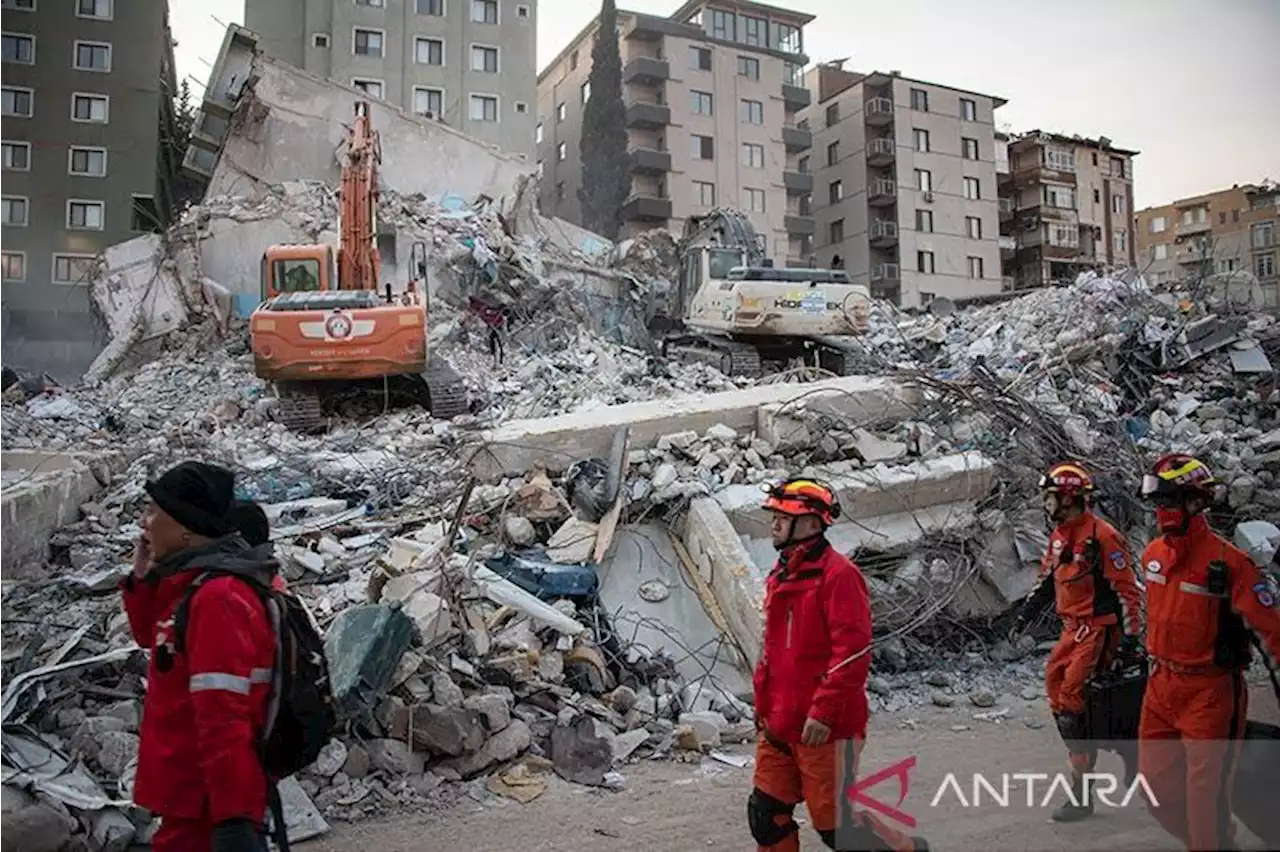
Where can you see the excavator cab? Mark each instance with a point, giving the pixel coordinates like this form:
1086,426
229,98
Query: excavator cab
297,269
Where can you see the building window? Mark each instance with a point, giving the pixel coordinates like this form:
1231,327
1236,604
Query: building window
924,180
17,156
835,231
753,155
969,148
144,215
434,8
1117,205
320,40
700,58
15,266
484,11
922,140
1120,241
755,200
789,39
722,25
792,75
920,100
704,193
975,267
974,227
1160,252
749,67
755,31
375,3
93,9
92,56
1195,216
18,102
1058,159
89,162
72,268
485,59
924,221
84,215
14,211
522,107
367,43
1264,265
584,91
562,152
752,112
700,102
560,113
372,88
484,108
522,11
802,165
833,115
835,192
1097,197
968,109
21,5
1262,235
94,109
972,189
833,153
19,49
537,134
1064,236
1061,197
924,262
704,148
1117,167
429,102
428,51
1158,225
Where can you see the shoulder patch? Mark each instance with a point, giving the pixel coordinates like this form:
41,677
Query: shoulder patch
1267,592
1117,558
1153,566
1057,545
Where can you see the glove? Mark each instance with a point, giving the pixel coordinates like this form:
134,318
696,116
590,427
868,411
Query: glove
238,835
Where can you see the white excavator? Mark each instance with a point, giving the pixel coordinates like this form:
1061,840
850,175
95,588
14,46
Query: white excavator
735,310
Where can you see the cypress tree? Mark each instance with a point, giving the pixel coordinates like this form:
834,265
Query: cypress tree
606,163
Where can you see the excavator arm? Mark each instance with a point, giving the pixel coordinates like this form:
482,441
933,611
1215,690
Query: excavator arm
359,267
727,228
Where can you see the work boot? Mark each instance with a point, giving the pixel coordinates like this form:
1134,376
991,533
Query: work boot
1072,812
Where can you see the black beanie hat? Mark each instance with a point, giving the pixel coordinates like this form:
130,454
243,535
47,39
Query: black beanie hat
197,495
251,522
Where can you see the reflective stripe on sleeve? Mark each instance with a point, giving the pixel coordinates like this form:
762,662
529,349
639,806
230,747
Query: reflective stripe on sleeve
208,681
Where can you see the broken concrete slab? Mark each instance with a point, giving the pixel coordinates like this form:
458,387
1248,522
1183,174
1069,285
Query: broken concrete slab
446,730
502,746
725,565
583,750
515,447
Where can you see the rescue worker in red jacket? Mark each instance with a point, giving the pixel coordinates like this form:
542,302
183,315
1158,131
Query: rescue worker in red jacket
1204,598
206,702
1087,572
810,683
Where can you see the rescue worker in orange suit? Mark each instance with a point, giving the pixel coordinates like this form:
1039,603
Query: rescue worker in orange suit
206,701
810,683
1088,574
1204,598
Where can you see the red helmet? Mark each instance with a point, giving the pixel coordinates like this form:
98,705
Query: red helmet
1178,476
797,497
1069,480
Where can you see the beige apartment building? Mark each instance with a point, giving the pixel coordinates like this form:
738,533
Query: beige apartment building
1067,204
904,184
469,63
712,98
1224,231
88,105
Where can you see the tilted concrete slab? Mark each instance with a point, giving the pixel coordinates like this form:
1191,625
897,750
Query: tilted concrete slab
558,441
724,564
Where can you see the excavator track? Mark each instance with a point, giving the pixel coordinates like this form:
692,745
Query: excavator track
446,390
730,357
299,408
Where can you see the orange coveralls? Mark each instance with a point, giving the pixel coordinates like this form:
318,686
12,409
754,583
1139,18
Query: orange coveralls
1204,595
1097,594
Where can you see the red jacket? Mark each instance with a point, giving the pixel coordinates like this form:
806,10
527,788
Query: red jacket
817,615
1089,574
205,706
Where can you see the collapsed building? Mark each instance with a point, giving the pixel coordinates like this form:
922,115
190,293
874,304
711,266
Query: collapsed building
568,577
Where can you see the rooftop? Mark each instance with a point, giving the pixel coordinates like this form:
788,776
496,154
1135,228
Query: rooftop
1102,143
691,6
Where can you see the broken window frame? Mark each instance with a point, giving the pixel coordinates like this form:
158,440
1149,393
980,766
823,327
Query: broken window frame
365,84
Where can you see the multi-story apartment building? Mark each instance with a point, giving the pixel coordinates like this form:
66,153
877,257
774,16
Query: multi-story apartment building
712,98
1224,231
468,63
904,184
88,108
1067,202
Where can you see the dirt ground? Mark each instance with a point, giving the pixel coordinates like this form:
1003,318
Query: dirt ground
676,807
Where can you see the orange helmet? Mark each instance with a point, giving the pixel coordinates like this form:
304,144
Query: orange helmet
1178,476
797,497
1068,479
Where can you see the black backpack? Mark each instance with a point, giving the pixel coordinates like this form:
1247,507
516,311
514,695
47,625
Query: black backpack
301,717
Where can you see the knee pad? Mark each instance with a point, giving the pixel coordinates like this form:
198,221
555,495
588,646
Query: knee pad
762,809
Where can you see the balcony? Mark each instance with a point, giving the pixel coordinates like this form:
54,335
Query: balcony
1058,252
1050,213
1185,228
645,116
882,192
1192,254
646,71
1036,173
885,274
797,139
799,225
795,97
646,208
881,151
883,233
650,161
797,182
1006,209
1008,246
879,111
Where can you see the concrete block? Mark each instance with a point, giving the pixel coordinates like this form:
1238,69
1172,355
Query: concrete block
725,565
558,441
878,491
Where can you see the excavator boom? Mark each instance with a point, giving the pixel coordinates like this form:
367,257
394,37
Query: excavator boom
359,265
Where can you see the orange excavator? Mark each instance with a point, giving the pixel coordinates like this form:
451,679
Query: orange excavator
317,332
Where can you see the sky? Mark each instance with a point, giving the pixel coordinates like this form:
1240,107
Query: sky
1185,82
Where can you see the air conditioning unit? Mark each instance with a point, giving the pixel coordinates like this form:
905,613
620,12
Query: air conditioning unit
928,196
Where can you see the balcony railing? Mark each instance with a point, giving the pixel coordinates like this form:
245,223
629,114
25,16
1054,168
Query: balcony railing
646,71
1194,227
648,116
879,111
799,225
650,161
797,138
797,181
884,232
643,206
885,272
882,191
881,151
795,97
